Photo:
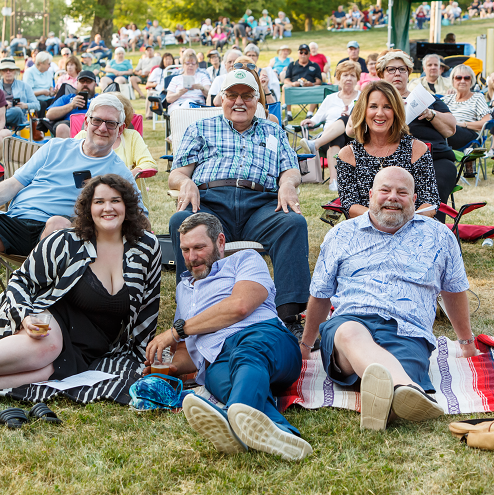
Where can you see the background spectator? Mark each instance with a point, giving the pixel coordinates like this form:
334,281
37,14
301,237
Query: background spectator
88,64
143,69
433,82
338,18
41,46
52,44
155,34
66,53
280,63
135,36
281,24
216,67
420,17
219,38
319,58
119,70
353,49
367,77
73,68
18,44
206,30
265,24
214,95
99,49
32,59
180,34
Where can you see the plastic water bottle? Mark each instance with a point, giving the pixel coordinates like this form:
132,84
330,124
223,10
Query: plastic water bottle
487,243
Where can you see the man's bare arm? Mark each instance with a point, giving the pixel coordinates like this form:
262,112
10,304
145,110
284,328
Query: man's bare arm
317,312
3,111
457,308
180,180
57,113
287,193
8,189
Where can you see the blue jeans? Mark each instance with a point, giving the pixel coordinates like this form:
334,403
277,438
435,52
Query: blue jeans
13,48
53,49
104,54
252,363
249,215
14,116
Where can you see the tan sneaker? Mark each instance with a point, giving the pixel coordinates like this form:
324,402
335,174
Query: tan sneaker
411,403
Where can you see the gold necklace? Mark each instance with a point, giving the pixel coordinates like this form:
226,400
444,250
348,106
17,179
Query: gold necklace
383,159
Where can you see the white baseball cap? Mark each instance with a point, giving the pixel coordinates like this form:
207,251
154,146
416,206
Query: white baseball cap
239,76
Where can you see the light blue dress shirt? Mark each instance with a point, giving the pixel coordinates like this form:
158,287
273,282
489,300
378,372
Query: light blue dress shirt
365,271
194,298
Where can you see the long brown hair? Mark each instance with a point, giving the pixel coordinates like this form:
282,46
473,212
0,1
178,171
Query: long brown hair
135,222
399,127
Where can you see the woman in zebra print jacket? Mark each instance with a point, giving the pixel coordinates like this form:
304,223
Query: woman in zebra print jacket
100,282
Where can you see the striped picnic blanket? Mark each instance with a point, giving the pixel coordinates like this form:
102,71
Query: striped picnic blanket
462,385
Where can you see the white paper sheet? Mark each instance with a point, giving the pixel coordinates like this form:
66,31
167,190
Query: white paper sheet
88,378
416,102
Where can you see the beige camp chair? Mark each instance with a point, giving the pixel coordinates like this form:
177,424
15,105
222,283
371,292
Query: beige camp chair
180,119
16,152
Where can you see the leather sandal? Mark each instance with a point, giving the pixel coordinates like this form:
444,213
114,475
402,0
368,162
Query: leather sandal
13,417
461,428
43,412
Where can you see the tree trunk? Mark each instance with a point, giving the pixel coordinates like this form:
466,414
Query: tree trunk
308,22
103,21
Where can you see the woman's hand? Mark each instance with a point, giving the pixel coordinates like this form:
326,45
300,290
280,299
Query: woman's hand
32,330
200,87
426,114
308,122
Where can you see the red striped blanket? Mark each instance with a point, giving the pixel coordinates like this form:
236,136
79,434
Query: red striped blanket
462,385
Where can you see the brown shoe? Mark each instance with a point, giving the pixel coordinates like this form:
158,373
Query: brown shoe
37,135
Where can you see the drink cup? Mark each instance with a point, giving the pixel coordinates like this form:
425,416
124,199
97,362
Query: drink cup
162,367
42,321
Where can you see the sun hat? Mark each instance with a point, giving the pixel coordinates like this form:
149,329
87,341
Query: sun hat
239,76
8,63
284,47
265,11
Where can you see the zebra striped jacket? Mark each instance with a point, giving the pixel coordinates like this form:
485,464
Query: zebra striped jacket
58,262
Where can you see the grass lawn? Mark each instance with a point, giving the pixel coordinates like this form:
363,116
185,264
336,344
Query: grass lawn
104,448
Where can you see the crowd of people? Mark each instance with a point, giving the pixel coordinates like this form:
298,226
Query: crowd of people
93,263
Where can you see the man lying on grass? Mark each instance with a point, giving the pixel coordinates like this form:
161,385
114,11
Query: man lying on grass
227,328
383,272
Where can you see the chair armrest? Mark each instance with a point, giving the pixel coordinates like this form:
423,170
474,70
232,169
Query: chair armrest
146,173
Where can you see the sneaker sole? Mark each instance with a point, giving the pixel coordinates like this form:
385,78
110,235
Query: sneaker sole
412,405
209,423
257,431
376,396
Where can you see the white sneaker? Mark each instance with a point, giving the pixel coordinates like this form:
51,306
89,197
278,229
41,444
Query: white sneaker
281,37
490,154
376,397
309,115
210,423
308,146
256,430
333,186
411,403
274,37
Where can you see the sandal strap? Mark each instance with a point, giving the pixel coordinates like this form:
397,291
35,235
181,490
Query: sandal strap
13,413
42,411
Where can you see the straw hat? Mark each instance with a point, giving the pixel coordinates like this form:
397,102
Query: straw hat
8,63
285,47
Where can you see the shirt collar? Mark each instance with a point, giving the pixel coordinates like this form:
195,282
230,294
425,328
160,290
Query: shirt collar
255,122
364,223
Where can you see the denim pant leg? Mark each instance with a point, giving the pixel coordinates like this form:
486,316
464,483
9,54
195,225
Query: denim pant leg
14,116
253,361
285,238
215,207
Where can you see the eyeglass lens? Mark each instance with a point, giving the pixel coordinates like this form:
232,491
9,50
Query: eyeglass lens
459,78
110,124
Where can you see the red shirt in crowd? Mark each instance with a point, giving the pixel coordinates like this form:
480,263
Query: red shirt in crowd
320,60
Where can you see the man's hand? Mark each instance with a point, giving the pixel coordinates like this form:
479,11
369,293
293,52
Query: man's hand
78,102
198,86
287,197
160,342
469,350
305,352
189,193
22,105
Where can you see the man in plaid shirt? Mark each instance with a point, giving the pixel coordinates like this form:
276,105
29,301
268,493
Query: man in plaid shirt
242,170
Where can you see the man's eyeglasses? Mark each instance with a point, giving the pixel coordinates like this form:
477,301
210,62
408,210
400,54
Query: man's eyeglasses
459,78
240,65
190,63
245,97
303,52
110,124
401,70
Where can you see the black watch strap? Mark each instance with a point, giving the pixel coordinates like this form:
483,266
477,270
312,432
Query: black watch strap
179,327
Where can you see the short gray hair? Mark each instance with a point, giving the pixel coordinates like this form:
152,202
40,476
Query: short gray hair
43,57
429,56
238,53
464,68
313,44
251,48
212,224
107,100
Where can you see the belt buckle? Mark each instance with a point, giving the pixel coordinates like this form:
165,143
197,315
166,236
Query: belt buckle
237,183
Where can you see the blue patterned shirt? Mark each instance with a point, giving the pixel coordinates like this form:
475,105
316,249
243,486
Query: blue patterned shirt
194,298
366,271
260,154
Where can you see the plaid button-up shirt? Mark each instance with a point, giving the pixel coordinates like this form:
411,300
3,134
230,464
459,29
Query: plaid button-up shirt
259,154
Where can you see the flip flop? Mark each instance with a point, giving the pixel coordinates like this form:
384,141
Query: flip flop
43,412
13,417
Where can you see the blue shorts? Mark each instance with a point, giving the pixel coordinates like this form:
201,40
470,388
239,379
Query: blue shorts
413,353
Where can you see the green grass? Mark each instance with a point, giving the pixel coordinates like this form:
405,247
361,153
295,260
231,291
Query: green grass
105,449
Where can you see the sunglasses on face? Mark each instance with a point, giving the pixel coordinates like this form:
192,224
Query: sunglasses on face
459,78
239,65
303,52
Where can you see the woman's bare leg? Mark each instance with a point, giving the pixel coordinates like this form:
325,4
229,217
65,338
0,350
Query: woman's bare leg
329,134
332,151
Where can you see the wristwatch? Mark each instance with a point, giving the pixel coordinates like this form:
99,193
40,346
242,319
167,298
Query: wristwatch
179,327
433,115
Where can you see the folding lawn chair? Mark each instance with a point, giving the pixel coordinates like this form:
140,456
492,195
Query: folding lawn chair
16,152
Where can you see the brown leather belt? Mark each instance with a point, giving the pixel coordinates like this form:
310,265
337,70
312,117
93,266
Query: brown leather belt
247,184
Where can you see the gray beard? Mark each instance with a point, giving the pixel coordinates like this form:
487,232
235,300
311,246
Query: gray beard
215,256
392,220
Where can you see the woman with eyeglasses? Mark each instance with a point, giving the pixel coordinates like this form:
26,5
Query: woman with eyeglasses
190,87
332,108
469,108
382,140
